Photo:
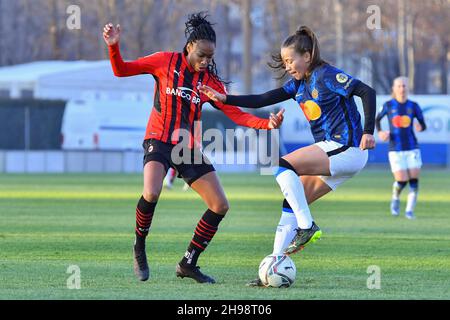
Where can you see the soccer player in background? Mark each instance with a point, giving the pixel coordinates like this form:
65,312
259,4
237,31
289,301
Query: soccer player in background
177,105
404,153
170,178
325,94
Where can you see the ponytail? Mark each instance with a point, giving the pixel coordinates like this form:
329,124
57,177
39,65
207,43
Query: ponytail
302,41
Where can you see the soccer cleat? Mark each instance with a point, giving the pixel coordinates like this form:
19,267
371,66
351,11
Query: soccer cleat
303,237
409,215
140,264
255,283
395,207
167,183
194,273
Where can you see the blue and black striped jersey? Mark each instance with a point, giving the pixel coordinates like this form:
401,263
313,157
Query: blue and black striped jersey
327,102
401,117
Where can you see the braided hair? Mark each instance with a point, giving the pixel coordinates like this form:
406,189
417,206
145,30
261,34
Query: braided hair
303,40
198,28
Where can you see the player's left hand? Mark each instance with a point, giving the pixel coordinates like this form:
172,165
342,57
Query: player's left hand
367,142
276,120
418,127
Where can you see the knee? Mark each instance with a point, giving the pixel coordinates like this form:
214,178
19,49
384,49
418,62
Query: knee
151,195
221,207
414,183
283,165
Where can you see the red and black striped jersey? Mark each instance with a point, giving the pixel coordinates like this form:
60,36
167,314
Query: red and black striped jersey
177,100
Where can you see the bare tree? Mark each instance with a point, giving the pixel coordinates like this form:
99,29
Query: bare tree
2,35
54,30
247,31
228,41
414,40
339,27
410,50
401,38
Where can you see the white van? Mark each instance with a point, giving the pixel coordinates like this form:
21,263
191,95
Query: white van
104,124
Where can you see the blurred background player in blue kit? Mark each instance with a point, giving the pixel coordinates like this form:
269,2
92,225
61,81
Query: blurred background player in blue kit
169,179
404,153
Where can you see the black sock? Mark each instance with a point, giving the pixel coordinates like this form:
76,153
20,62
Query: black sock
144,216
203,234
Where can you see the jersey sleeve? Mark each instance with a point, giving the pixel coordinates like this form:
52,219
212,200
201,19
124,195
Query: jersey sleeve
238,116
381,114
148,64
419,116
290,87
338,81
242,118
153,62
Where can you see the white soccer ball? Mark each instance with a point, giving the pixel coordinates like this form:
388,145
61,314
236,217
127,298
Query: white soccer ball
277,271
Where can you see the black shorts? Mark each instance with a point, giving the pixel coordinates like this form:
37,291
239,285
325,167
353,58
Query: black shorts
190,166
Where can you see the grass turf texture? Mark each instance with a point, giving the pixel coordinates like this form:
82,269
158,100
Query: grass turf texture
49,222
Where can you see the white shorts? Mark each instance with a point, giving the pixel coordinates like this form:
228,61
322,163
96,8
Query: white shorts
404,160
345,162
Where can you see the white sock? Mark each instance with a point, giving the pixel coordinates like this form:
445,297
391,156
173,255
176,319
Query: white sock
397,189
294,193
285,232
412,198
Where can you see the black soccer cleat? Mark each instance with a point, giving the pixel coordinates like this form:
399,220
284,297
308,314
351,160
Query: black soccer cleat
302,238
255,283
140,264
193,273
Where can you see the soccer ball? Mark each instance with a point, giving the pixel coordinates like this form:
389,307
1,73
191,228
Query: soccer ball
277,271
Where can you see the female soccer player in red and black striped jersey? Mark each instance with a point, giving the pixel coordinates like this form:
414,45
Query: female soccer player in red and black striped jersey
177,106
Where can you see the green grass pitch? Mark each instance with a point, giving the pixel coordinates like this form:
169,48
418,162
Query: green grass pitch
50,222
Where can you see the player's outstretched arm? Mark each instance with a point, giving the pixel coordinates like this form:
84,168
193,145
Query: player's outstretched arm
217,93
212,94
111,35
245,119
247,101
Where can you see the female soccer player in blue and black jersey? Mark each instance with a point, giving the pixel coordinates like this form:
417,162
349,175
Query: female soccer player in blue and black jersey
325,94
404,153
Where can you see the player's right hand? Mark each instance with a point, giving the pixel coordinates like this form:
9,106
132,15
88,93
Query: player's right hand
111,34
384,135
276,120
